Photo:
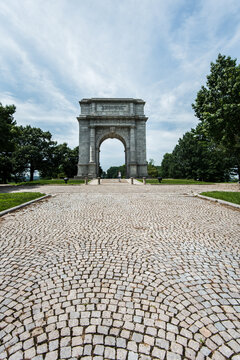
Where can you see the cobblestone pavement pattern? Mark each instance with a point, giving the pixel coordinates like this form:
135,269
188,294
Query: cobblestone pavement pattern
120,272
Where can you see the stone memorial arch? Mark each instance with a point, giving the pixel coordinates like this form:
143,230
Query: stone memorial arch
103,118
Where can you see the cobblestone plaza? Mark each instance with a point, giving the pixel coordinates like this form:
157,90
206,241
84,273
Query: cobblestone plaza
119,271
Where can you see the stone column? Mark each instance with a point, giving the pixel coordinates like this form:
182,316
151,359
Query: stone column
83,158
132,145
92,145
133,164
97,160
126,168
92,168
127,159
141,148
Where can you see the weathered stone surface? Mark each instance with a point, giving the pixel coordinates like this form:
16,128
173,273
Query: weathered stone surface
120,272
105,118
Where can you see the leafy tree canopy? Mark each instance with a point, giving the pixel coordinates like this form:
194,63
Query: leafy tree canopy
61,161
195,157
7,140
7,127
152,169
34,147
112,172
218,106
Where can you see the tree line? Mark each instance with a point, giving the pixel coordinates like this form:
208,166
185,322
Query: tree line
211,151
25,149
113,171
197,157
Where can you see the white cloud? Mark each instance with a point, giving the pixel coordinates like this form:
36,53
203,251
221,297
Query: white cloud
161,141
53,55
62,124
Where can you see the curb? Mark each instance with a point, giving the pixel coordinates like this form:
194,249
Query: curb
4,212
223,202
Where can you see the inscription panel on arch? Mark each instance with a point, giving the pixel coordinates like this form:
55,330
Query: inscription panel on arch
112,109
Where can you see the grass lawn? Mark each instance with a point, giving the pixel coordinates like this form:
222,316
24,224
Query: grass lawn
230,196
176,182
50,182
8,201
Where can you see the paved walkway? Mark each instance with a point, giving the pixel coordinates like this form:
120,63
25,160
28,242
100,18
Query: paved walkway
115,182
120,272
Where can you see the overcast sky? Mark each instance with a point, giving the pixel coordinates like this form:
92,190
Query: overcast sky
55,52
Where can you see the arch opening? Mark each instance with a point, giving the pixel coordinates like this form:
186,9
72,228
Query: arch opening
111,154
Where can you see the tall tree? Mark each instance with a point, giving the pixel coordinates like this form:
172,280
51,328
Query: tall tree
218,106
166,165
7,140
152,169
61,161
33,148
69,161
196,157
